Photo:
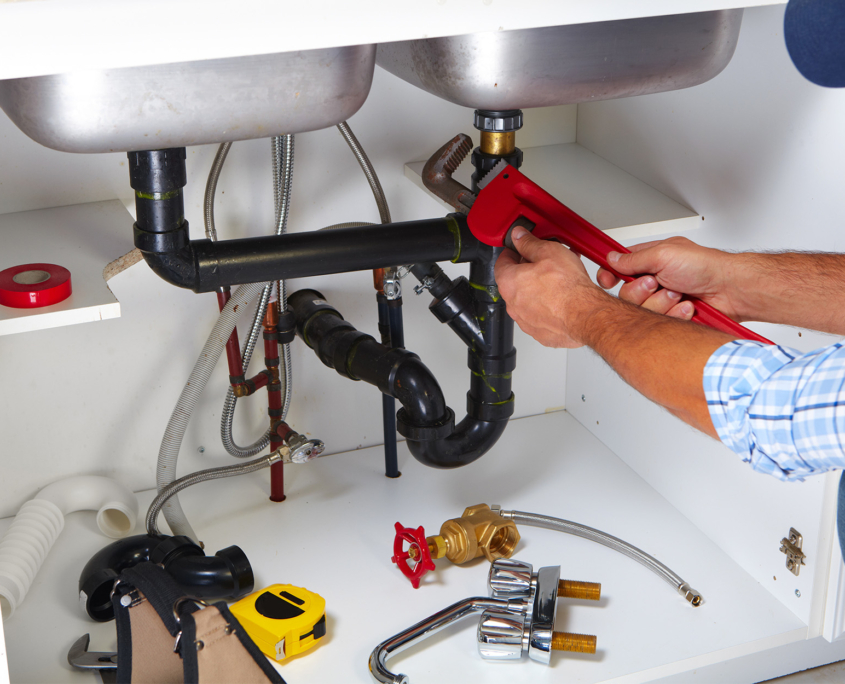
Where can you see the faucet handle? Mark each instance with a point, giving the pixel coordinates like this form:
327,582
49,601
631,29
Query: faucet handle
502,635
510,579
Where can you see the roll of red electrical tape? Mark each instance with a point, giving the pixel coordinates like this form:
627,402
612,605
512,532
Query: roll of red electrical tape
30,286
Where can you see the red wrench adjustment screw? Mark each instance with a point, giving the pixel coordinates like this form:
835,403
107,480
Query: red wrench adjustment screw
417,551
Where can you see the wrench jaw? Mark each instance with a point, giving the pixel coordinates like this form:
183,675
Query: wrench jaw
438,170
81,658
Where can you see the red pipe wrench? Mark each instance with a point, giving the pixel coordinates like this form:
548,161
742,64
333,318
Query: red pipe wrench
507,199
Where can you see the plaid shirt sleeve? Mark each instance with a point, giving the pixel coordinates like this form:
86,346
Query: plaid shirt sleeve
782,411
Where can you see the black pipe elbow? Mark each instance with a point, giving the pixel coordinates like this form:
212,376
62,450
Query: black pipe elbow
178,268
227,574
413,385
468,441
161,231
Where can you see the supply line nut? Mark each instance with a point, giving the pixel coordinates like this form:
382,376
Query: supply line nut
690,595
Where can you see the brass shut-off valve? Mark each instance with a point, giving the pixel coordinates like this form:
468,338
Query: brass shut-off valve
478,532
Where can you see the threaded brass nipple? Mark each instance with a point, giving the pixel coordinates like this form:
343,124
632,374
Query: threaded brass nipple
498,142
591,591
574,643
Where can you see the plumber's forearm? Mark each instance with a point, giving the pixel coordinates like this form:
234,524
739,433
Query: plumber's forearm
662,358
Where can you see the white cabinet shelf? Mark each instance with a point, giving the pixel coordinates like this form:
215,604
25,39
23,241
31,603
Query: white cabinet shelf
334,535
84,238
608,197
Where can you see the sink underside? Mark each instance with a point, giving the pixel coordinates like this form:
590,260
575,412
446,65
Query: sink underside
191,103
568,64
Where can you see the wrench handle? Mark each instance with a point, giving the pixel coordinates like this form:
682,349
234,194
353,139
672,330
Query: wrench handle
592,243
511,196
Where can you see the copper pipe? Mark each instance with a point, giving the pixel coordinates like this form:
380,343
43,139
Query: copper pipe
274,397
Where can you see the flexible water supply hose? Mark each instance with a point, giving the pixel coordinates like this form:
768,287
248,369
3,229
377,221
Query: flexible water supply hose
367,168
202,476
623,547
41,519
283,153
283,148
211,189
283,159
169,451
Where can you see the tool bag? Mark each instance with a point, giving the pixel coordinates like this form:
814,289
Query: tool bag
164,638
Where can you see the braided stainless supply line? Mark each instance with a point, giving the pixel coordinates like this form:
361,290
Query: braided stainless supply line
623,547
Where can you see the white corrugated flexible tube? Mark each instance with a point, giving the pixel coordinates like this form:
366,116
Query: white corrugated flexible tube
41,519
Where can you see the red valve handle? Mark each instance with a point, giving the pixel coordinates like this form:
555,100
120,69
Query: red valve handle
415,539
511,196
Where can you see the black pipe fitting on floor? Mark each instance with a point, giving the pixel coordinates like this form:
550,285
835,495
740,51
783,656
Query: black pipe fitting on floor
225,575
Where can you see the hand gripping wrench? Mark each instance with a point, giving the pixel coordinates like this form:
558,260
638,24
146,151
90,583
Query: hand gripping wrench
507,199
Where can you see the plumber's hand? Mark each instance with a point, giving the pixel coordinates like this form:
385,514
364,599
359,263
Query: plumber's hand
547,290
679,266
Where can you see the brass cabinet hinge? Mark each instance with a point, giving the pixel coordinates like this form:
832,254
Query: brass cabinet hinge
791,546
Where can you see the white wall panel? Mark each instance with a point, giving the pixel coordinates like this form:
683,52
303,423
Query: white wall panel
758,153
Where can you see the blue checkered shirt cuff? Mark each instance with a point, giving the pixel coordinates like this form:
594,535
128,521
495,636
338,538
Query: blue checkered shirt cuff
782,411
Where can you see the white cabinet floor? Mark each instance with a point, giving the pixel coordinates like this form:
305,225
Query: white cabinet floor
334,536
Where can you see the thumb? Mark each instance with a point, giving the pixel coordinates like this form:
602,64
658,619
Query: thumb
634,263
526,244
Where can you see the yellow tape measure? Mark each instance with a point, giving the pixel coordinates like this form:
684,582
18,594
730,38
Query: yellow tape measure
282,620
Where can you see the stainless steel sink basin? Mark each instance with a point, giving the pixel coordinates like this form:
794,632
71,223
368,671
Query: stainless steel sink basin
176,105
567,64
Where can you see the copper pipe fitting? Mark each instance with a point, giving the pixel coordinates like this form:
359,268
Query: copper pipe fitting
271,316
574,643
591,591
497,143
378,280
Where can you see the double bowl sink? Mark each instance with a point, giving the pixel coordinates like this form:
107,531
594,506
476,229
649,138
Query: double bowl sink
192,103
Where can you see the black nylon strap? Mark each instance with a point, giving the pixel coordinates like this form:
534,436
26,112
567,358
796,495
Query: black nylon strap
272,675
161,591
124,636
188,650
